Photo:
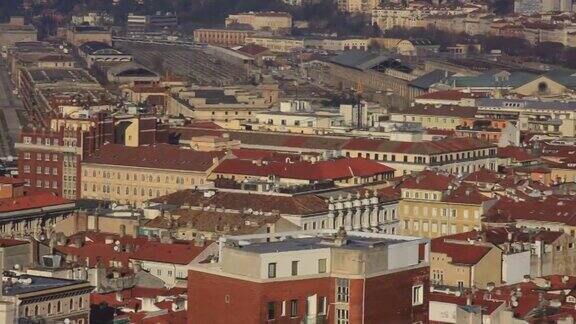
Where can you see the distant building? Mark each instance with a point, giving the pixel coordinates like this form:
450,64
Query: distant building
16,31
78,35
358,6
221,37
270,20
323,277
141,23
93,52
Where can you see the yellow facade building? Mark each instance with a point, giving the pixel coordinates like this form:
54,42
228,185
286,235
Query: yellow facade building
434,205
465,265
133,175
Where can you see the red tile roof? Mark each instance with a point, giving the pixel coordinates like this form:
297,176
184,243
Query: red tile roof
483,175
175,253
32,201
427,180
460,253
161,156
266,155
323,170
7,180
465,194
549,209
11,242
447,145
515,153
306,204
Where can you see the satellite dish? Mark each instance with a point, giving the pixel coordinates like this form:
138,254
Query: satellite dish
116,248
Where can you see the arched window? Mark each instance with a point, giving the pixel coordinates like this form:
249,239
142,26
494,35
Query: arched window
71,303
36,310
58,307
49,308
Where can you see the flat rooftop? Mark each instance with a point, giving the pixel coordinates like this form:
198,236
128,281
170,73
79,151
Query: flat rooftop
319,242
43,76
28,284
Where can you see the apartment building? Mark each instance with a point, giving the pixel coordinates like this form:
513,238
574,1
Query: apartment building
355,209
358,6
222,37
50,158
326,276
465,264
434,204
456,155
133,175
446,117
267,20
28,212
36,298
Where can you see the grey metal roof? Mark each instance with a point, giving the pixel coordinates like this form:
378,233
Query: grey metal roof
428,79
490,79
38,284
359,60
529,104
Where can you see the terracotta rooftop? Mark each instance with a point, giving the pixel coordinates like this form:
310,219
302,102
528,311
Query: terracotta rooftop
482,175
239,201
31,201
161,156
517,154
174,253
461,253
323,170
427,180
465,194
448,145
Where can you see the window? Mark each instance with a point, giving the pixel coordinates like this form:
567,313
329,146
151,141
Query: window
158,272
271,270
322,303
342,316
294,307
294,268
321,265
417,295
342,289
271,311
49,308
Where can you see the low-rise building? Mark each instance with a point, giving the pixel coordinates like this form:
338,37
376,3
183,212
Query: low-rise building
221,37
464,264
93,52
267,20
16,31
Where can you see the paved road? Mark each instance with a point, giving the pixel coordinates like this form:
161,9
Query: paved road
9,103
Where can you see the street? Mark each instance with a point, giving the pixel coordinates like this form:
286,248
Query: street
9,103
